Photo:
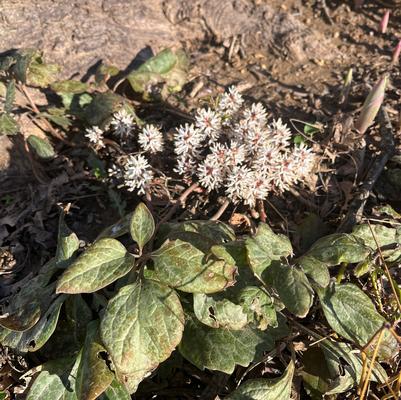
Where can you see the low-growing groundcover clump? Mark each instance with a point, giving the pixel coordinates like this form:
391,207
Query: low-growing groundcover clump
193,288
150,300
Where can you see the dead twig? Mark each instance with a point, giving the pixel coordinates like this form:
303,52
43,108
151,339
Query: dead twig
47,124
357,205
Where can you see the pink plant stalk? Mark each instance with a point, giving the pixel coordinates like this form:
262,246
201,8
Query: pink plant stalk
371,106
396,53
384,22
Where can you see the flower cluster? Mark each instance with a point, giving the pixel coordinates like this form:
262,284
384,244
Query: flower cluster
232,148
134,171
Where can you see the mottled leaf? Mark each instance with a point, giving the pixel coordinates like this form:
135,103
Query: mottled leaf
223,349
266,389
166,67
214,231
10,97
104,72
315,270
382,236
258,306
47,386
40,73
8,125
336,249
20,317
116,391
219,313
141,327
33,339
102,108
101,264
94,376
67,241
349,362
265,247
181,265
142,226
42,148
56,381
119,228
69,86
57,115
292,287
351,313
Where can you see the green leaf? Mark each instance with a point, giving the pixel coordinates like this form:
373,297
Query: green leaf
104,72
94,376
142,226
10,97
292,287
258,306
119,228
311,129
201,234
315,270
116,391
141,327
47,384
266,389
375,235
348,362
33,339
67,241
181,265
56,381
219,313
336,249
20,317
23,59
101,108
317,375
41,74
8,125
76,104
223,349
101,264
265,247
166,67
58,116
69,86
351,314
22,309
78,315
42,148
214,231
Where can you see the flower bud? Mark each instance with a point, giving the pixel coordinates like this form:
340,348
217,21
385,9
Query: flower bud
371,106
396,53
384,22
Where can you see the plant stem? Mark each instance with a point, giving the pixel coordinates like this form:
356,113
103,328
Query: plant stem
221,210
178,203
35,109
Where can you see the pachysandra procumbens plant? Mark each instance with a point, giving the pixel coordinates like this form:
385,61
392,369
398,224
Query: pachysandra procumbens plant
194,287
230,148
